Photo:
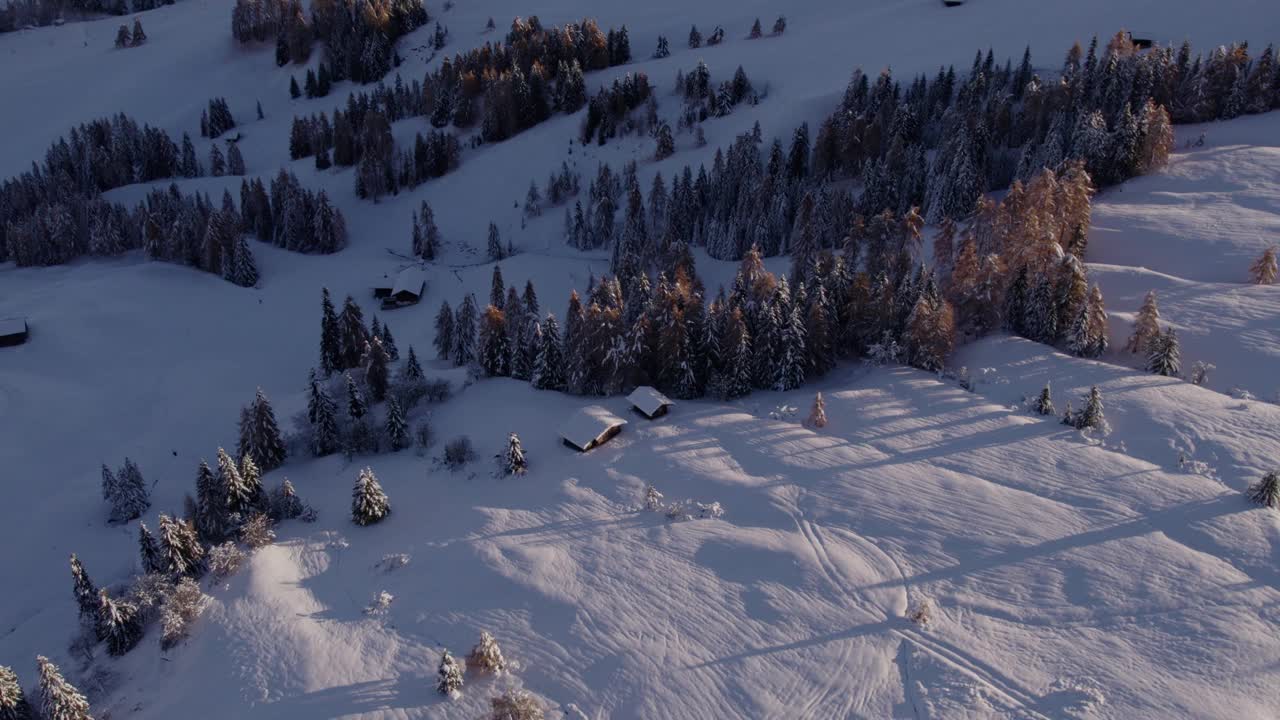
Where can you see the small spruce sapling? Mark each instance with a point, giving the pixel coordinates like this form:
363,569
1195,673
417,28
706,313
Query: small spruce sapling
369,504
818,414
1266,492
486,656
1265,269
450,676
513,458
1044,403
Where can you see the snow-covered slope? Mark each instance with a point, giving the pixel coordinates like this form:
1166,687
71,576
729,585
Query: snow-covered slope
1068,577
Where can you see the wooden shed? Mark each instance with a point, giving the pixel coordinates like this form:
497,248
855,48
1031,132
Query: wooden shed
13,331
649,402
403,288
590,427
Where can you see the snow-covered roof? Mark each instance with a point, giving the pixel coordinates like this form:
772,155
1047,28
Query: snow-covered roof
410,279
13,326
587,425
648,400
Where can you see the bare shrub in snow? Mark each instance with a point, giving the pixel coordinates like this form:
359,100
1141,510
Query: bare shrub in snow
256,531
922,613
885,352
652,499
691,510
381,604
392,562
486,656
516,705
458,452
180,609
1264,270
818,414
1200,372
225,560
783,413
148,594
424,436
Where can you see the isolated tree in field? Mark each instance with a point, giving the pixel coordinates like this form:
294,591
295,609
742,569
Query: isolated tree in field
695,37
13,703
149,556
780,25
1264,269
428,238
1146,325
1091,417
818,413
122,37
180,547
397,429
118,624
59,699
513,458
486,656
756,30
664,49
1044,403
330,336
369,504
260,434
1200,372
495,249
139,36
86,593
444,331
450,676
1266,492
1164,357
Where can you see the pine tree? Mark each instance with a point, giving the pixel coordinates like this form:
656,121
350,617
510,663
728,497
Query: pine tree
412,370
181,549
217,164
790,368
13,703
497,289
139,37
1041,318
235,161
495,350
369,504
756,30
352,333
377,376
244,270
356,407
695,37
818,413
118,624
148,552
486,656
780,25
1264,270
397,429
321,413
1266,492
444,331
59,700
1091,417
514,461
260,434
294,91
464,332
548,365
123,39
243,494
330,336
1044,403
1146,325
450,673
86,593
1164,357
211,505
495,249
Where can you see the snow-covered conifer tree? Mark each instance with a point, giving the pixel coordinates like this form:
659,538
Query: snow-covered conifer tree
1146,325
369,504
13,703
377,376
495,351
181,549
1044,403
1164,357
118,624
352,333
818,413
412,370
495,249
59,699
486,656
330,336
211,505
450,676
86,593
389,343
514,461
1264,270
260,434
1266,492
464,332
548,365
129,498
148,552
1091,417
244,269
397,429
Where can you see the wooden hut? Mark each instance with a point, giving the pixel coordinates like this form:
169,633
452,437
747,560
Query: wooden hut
590,427
13,331
649,402
404,288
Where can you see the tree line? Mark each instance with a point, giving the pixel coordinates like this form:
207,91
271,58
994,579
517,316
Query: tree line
17,14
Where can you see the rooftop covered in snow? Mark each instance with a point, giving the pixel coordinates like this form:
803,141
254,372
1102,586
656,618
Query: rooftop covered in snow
590,426
649,401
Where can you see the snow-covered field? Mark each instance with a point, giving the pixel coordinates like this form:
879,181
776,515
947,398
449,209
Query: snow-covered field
1068,576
